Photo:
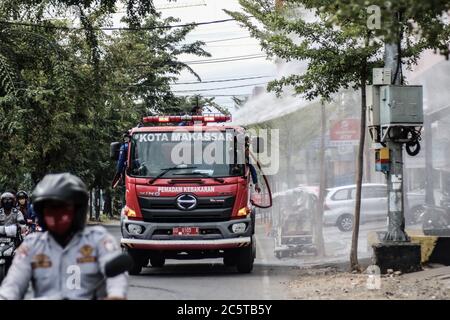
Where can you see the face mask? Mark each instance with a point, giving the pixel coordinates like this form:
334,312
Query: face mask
59,219
22,201
8,205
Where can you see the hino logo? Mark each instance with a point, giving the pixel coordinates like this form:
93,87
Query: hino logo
186,202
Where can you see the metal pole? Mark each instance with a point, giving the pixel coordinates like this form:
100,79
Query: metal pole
396,217
429,189
396,214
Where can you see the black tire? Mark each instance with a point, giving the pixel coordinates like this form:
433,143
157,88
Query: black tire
139,261
157,261
246,258
345,223
230,258
3,270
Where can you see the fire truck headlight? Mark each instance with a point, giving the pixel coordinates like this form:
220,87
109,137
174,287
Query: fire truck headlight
239,227
129,212
135,229
243,212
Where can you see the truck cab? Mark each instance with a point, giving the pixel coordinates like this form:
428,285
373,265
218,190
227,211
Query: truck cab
187,193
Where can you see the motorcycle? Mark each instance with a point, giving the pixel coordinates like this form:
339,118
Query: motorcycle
8,247
9,242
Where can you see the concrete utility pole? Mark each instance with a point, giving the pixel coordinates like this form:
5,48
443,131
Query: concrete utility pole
399,118
429,189
396,212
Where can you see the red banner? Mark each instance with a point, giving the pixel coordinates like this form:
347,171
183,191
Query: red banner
345,130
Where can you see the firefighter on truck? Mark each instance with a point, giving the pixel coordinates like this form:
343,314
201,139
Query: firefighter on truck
180,203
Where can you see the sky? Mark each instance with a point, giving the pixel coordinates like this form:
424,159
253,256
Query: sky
210,10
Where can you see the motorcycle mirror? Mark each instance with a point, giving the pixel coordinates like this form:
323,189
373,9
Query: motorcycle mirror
117,265
114,150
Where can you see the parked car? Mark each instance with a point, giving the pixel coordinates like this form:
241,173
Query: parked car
340,205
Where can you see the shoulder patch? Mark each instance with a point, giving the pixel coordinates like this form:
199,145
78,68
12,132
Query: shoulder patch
109,243
87,254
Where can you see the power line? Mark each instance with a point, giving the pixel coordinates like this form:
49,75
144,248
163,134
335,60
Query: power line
116,28
234,45
230,59
222,80
228,39
193,90
216,95
221,88
205,61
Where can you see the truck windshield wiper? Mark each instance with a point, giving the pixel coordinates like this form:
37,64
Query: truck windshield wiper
165,170
201,174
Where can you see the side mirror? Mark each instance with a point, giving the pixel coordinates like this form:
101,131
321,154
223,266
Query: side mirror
258,145
261,200
118,265
114,150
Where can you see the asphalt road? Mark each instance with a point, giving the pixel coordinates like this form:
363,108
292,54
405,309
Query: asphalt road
210,279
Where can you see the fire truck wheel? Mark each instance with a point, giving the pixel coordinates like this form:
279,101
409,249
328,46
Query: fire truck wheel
246,257
139,261
157,261
2,272
230,258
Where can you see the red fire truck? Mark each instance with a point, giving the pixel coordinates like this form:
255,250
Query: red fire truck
179,203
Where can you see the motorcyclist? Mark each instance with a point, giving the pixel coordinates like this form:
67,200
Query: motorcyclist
122,161
24,205
11,219
68,260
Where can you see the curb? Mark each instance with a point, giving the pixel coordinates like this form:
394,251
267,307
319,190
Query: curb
434,249
100,223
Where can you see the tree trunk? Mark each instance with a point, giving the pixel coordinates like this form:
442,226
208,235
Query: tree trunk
97,203
318,234
90,204
367,156
107,207
354,265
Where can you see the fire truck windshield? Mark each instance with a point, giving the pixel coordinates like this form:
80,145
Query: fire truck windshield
191,154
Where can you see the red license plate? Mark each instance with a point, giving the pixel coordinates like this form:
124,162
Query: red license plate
185,231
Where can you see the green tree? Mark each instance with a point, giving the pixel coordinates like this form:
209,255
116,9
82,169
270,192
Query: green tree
143,65
337,58
341,48
185,104
65,94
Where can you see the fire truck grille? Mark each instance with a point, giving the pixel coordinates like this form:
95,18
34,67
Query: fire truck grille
165,209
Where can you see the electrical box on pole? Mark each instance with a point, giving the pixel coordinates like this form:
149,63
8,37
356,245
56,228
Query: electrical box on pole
401,105
381,76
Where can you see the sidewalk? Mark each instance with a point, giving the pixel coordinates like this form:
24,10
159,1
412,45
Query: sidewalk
265,254
331,284
108,222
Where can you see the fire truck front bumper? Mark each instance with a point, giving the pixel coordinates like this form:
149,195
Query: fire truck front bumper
185,244
187,236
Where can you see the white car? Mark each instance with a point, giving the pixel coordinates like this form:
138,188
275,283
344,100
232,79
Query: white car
340,205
